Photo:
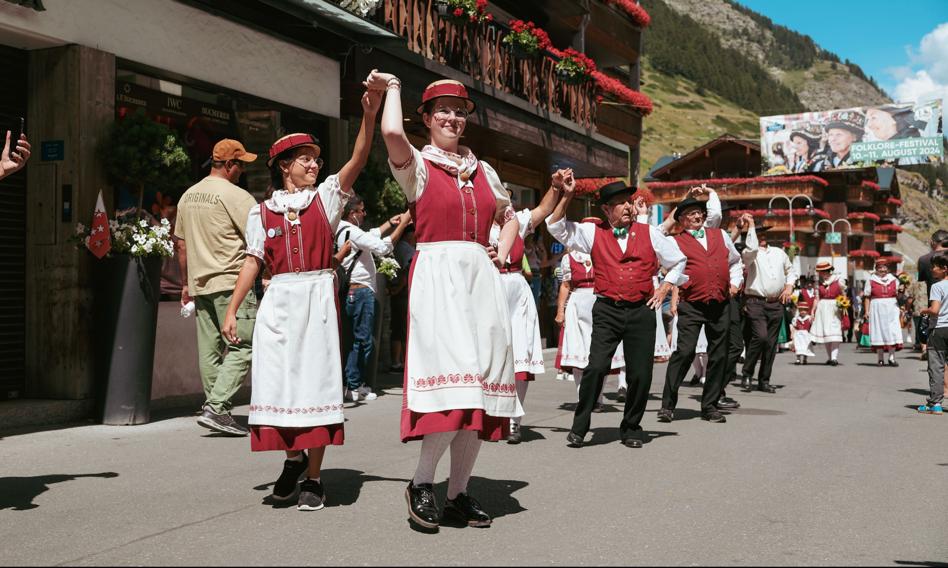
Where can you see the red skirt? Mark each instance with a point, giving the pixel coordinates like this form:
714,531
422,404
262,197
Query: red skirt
273,438
489,428
524,376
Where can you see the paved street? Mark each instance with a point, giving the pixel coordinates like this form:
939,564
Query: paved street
835,468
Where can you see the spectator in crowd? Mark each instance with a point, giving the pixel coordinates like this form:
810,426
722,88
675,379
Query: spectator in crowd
536,256
14,161
939,242
938,334
210,230
361,302
398,290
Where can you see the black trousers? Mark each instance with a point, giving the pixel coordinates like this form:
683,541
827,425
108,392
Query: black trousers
634,325
764,319
735,339
715,317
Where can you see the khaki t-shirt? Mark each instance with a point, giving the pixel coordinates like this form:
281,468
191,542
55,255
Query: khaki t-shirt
212,218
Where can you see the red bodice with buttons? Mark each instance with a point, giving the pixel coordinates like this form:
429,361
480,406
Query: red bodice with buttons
830,292
624,276
516,257
879,290
580,275
445,212
297,248
707,269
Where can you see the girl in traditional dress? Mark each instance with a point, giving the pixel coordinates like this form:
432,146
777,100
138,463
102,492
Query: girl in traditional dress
881,307
296,400
801,332
459,386
525,323
827,326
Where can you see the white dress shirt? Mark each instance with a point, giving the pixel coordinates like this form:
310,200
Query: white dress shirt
768,269
580,237
364,245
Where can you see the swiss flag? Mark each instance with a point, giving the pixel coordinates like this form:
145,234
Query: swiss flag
100,238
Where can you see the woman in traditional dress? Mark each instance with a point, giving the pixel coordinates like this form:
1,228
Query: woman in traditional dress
527,345
296,400
827,326
881,307
663,348
459,386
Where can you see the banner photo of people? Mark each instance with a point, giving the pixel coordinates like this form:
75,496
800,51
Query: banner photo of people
895,134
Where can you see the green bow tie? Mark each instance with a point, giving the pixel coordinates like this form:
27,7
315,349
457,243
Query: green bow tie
699,234
620,233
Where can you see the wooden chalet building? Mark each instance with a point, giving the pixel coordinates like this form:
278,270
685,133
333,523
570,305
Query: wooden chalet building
860,204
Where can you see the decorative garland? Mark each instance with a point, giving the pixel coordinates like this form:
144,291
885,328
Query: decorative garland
636,12
889,227
863,215
894,201
864,253
616,89
779,212
871,185
738,181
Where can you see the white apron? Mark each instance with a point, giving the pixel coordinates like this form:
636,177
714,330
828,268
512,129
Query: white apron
801,343
459,333
826,328
524,324
297,368
662,348
884,325
577,331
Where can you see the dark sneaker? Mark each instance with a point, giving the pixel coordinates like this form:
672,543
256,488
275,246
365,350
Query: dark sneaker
312,496
468,510
422,505
714,416
285,486
224,423
514,436
666,415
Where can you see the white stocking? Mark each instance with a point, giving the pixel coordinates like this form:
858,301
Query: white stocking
832,350
622,383
464,450
700,365
522,395
432,448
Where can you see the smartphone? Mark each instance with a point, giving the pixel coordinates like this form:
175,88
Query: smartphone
22,128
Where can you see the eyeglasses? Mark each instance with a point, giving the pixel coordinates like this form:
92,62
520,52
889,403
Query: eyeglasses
309,161
444,112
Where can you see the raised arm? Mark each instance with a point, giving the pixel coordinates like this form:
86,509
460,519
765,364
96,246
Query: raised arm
371,103
550,199
576,236
393,125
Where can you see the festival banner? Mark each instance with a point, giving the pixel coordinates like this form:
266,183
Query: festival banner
895,134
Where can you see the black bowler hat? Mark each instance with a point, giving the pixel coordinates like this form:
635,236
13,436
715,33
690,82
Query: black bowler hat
690,202
613,189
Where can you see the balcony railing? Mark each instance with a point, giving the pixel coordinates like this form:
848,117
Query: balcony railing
886,210
860,195
478,50
738,189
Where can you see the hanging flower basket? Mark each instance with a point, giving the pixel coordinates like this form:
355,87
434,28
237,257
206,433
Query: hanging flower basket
525,39
464,12
573,67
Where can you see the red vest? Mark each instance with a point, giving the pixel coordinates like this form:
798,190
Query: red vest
707,270
579,275
804,325
445,212
516,257
878,290
830,292
624,276
297,248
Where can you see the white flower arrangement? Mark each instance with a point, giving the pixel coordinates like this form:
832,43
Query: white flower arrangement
361,7
137,237
388,266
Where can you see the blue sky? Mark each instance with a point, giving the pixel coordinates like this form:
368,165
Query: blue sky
884,37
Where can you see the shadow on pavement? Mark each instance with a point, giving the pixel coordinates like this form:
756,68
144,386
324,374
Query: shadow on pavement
343,487
494,495
919,563
17,493
920,392
609,434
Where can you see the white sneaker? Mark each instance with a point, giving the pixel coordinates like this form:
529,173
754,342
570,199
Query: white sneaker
352,395
366,393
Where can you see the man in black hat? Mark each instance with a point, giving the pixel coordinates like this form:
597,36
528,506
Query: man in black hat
714,270
626,255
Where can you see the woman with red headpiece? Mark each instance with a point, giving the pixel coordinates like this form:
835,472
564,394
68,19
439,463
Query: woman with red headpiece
459,373
296,401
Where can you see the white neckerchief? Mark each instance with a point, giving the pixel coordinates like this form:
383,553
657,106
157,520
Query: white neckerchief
462,166
283,202
884,281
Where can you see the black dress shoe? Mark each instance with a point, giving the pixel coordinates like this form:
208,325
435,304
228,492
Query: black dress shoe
765,387
745,383
620,396
833,363
632,443
574,440
665,415
514,436
725,403
694,381
893,363
465,508
713,416
422,505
